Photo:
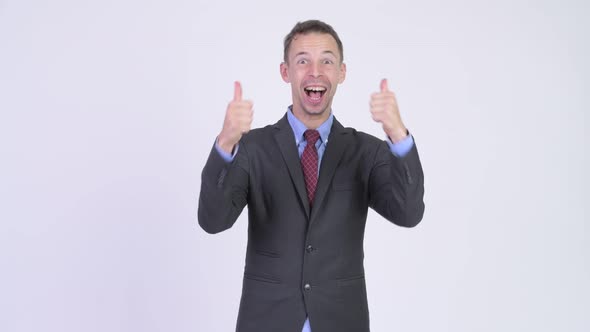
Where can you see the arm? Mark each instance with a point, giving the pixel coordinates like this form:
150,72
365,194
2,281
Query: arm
224,181
224,191
396,182
396,187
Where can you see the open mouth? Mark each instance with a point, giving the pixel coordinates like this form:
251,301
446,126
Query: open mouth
315,93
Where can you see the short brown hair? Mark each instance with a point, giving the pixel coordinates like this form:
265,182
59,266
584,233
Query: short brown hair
303,28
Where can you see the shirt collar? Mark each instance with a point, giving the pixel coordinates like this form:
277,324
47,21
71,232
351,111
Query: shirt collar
299,128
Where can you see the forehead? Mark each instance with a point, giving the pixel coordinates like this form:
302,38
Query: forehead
313,43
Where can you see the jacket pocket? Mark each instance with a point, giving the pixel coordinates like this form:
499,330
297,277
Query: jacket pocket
267,253
350,280
258,277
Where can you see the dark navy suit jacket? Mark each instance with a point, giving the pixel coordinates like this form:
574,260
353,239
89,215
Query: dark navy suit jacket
303,261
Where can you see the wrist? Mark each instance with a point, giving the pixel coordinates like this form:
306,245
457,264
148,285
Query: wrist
225,145
397,135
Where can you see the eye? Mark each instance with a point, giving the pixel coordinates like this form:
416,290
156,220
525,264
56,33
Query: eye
302,61
328,62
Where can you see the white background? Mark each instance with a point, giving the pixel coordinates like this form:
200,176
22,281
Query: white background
109,110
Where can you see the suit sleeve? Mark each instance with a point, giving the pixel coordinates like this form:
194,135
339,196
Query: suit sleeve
224,191
396,186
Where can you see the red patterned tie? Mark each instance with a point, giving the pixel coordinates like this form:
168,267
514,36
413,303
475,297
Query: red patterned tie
309,163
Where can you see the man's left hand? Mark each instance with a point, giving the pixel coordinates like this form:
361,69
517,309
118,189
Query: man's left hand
385,111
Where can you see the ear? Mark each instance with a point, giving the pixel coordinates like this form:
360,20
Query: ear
285,72
342,73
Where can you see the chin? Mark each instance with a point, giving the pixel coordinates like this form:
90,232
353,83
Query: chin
315,111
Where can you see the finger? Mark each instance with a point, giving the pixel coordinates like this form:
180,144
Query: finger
237,91
376,117
382,103
384,87
378,112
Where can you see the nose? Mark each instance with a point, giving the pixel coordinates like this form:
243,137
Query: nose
314,69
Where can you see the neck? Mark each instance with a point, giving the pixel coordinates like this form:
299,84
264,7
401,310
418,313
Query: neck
312,121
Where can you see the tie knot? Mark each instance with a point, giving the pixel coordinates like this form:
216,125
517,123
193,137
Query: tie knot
311,136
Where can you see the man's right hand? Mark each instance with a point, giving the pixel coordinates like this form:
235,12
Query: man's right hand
238,118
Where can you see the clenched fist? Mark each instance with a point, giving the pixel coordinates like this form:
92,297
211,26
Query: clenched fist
385,111
238,118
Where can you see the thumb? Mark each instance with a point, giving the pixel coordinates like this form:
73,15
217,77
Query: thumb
237,91
384,87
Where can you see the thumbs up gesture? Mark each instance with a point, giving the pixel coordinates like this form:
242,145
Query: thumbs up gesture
385,111
238,118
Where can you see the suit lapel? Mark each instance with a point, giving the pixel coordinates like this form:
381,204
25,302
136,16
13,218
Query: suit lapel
338,140
286,142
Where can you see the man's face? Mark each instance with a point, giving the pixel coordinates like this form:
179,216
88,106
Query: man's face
314,69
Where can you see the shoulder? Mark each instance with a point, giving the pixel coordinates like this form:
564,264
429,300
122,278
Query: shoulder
259,135
365,137
360,137
360,143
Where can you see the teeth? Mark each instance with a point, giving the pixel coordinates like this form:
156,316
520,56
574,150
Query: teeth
315,88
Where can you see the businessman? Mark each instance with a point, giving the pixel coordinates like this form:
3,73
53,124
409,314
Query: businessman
308,182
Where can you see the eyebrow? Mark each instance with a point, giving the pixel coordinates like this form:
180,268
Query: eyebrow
324,52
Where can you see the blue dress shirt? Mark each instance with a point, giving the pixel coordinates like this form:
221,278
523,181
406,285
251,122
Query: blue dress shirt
399,149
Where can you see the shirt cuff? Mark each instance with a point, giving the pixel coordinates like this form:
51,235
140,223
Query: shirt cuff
402,147
224,155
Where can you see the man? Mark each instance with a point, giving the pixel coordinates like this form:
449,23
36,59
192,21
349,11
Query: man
308,182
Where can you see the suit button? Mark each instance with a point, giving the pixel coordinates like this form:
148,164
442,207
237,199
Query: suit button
309,248
307,287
